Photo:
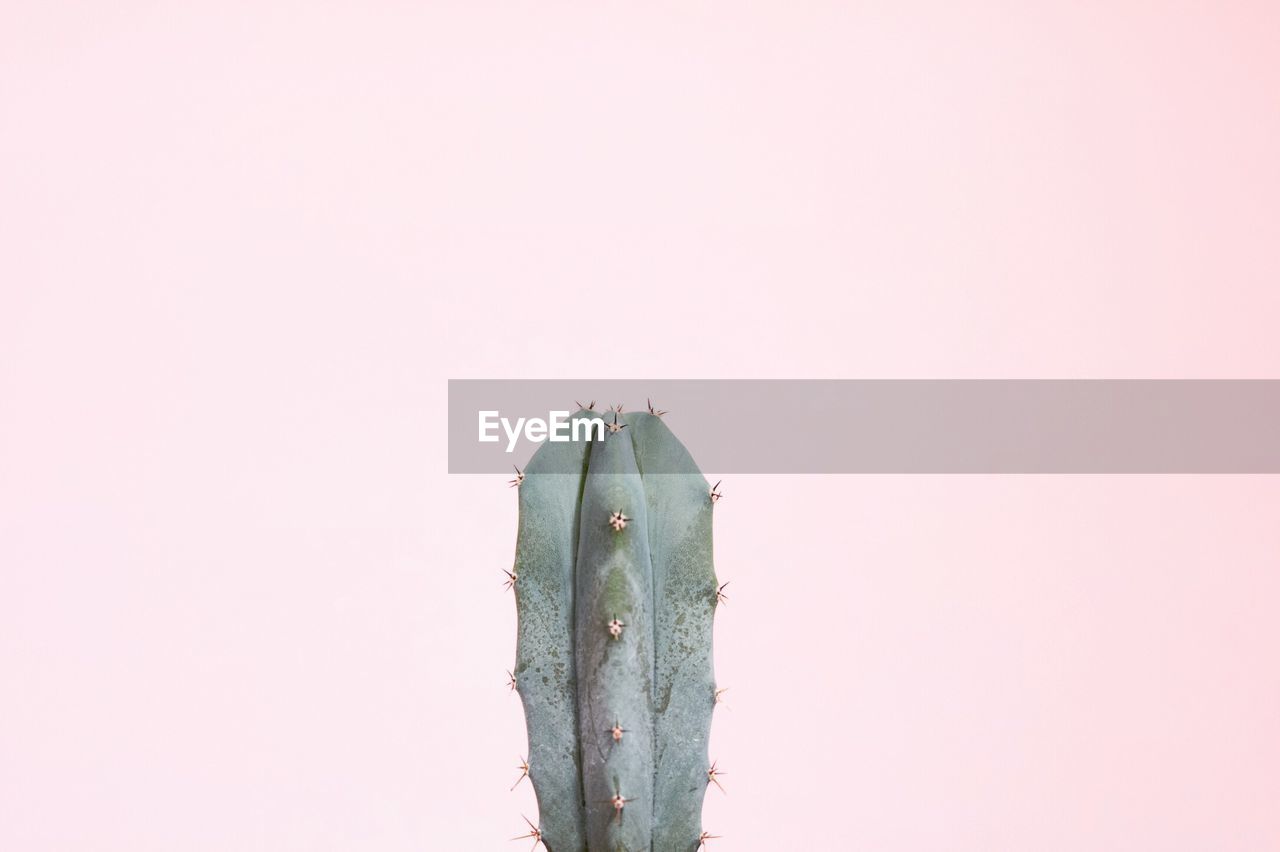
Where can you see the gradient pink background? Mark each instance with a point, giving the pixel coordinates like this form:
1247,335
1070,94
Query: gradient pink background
243,245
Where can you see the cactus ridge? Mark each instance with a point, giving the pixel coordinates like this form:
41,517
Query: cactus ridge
616,594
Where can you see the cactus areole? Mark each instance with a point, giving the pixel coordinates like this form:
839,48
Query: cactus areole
615,593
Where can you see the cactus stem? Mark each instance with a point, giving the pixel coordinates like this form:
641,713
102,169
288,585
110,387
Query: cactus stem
715,492
512,577
704,837
515,483
534,832
713,777
721,597
576,576
524,772
511,681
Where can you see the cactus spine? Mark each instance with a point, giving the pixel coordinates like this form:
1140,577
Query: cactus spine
615,593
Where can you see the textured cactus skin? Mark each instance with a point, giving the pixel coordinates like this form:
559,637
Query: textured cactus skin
679,516
655,680
545,665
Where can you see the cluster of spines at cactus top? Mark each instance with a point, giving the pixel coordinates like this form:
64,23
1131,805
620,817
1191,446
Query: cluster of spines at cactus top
616,594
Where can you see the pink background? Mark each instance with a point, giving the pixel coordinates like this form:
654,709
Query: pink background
243,245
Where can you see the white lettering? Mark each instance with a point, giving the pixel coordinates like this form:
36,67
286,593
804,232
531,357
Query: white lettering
512,434
586,425
486,425
559,420
558,427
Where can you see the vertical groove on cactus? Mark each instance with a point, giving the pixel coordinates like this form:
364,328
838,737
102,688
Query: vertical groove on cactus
615,597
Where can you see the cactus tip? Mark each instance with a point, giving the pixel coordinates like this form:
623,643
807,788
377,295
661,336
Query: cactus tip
615,627
704,837
721,597
715,492
615,426
511,680
617,731
510,582
618,521
515,483
654,411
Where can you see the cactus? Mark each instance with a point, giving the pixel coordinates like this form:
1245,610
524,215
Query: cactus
615,594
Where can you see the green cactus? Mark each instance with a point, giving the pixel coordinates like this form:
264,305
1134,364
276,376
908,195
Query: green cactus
615,593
